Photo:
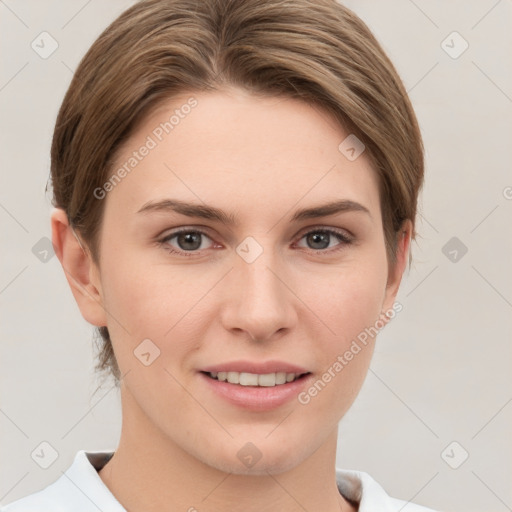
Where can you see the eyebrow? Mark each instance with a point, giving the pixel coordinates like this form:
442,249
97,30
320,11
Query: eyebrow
212,213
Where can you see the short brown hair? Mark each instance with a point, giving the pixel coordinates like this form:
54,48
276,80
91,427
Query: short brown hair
315,50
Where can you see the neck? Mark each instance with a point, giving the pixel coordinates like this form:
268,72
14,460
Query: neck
149,472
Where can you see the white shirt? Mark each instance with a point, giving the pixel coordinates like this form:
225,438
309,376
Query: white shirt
80,489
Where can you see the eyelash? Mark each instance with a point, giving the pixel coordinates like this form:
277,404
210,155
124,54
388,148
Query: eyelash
342,237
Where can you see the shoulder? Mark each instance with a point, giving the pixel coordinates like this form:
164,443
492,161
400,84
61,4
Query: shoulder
57,497
79,489
361,488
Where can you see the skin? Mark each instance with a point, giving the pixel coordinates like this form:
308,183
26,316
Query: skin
260,159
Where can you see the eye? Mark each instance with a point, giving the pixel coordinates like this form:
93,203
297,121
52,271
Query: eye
188,241
320,239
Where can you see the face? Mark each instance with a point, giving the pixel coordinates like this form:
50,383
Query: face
216,257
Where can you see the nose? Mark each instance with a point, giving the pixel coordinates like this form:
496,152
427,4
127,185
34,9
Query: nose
259,302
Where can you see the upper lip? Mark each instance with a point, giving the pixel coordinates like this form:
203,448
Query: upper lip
255,367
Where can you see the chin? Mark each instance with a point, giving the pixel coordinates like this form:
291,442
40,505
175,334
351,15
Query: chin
261,468
258,458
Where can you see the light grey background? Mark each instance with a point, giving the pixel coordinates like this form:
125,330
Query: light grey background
442,368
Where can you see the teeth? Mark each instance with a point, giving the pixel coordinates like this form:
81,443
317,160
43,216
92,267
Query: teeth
233,377
248,379
255,379
281,377
267,379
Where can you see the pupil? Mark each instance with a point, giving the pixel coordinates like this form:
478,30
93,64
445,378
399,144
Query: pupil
189,238
321,238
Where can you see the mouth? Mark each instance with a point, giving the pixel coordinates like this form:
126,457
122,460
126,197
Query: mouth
256,385
266,380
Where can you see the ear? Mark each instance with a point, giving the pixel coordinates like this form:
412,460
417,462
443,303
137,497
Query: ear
396,270
82,274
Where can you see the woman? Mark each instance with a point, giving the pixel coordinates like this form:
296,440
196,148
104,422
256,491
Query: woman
235,185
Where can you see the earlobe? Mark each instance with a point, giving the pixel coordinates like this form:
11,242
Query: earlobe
79,269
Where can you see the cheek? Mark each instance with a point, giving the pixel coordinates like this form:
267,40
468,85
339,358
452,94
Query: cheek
349,305
139,293
153,302
348,299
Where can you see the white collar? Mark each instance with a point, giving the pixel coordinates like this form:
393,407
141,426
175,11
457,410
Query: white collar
81,486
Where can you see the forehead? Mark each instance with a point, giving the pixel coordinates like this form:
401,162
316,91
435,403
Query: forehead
236,151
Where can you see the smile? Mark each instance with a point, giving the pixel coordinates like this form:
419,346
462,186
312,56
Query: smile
255,379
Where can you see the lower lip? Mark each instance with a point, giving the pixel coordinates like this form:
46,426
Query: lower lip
257,398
